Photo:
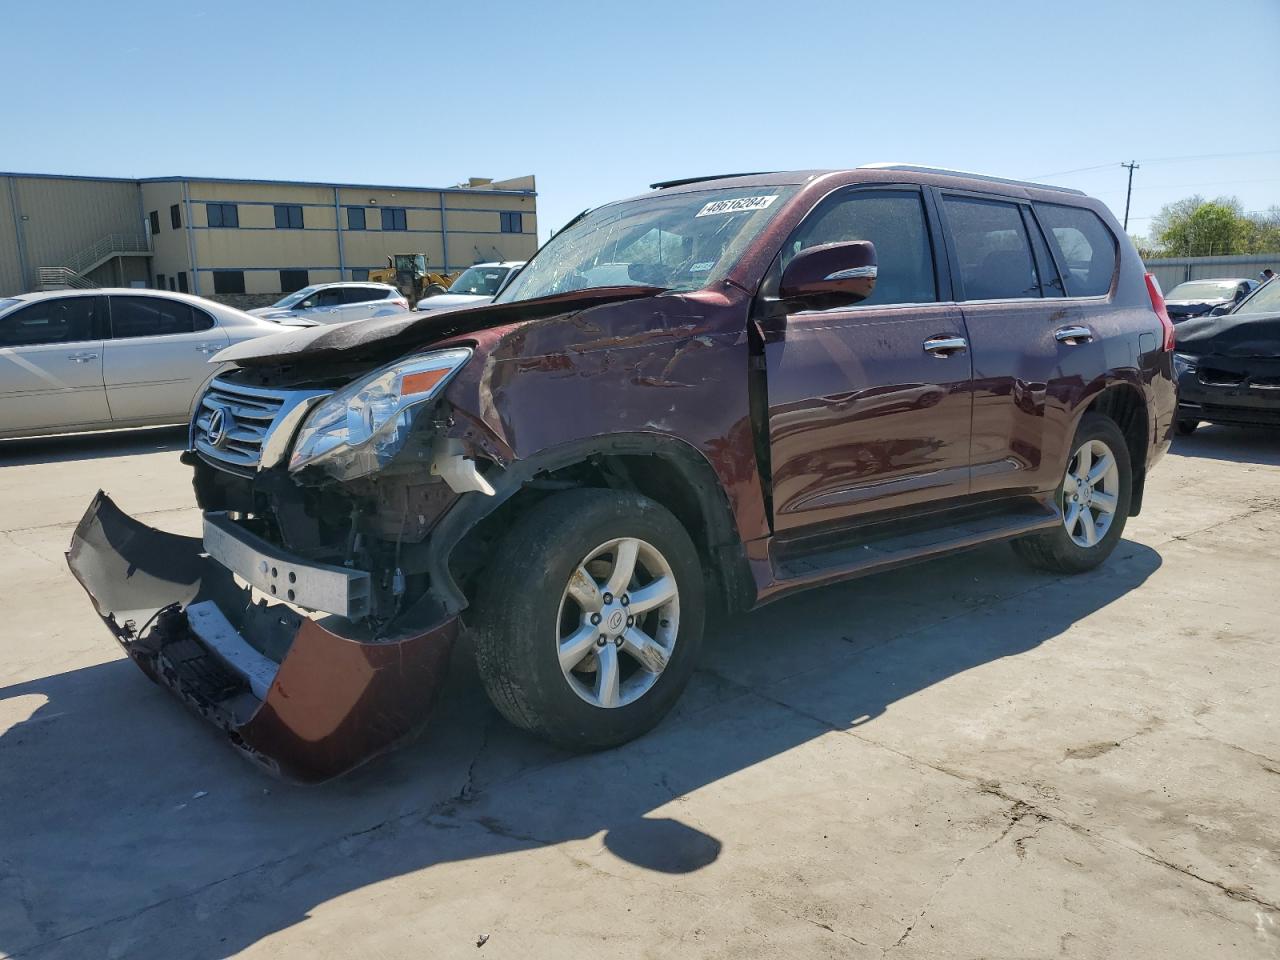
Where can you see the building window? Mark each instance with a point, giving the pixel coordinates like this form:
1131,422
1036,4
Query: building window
154,217
228,281
159,278
182,281
291,280
355,218
393,218
288,216
173,285
223,214
359,274
175,217
512,222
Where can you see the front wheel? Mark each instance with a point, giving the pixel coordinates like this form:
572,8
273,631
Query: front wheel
589,619
1186,428
1094,499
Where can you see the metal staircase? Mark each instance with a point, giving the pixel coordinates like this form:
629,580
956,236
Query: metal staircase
73,272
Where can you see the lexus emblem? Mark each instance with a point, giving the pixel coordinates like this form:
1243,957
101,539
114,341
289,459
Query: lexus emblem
219,427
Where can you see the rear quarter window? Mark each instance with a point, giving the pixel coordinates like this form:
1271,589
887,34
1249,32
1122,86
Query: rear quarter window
1084,246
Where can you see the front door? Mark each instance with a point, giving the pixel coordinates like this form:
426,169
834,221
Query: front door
157,357
869,406
51,365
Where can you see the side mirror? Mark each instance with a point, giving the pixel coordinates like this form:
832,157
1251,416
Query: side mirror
1222,309
306,304
830,275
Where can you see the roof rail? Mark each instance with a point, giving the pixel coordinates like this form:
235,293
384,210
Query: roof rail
664,184
923,168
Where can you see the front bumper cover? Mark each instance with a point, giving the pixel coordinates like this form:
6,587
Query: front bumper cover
338,697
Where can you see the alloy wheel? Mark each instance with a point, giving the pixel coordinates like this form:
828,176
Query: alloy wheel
619,619
1090,493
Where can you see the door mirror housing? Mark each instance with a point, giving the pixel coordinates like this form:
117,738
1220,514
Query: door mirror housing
1221,309
829,275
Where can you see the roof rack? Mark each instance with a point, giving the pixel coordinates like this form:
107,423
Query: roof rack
923,168
664,184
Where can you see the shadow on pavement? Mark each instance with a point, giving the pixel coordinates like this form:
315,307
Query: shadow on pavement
69,448
127,819
1259,445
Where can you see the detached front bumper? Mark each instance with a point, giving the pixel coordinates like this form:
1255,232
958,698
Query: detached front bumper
329,700
1244,391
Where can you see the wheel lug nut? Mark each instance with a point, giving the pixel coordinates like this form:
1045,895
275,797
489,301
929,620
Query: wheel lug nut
618,641
601,640
631,621
626,600
595,619
608,598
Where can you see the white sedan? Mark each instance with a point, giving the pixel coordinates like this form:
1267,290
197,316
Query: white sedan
335,303
478,284
73,360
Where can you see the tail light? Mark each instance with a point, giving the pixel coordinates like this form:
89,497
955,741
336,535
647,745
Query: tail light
1157,304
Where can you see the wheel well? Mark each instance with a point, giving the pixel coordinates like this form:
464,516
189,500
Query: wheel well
1124,404
691,491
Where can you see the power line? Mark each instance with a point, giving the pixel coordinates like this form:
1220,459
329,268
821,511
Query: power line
1202,156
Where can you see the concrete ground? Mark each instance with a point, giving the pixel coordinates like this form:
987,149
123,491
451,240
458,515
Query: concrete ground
964,759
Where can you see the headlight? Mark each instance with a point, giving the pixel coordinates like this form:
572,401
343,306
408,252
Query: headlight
1183,363
361,427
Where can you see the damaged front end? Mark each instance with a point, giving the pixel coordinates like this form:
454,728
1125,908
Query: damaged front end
308,698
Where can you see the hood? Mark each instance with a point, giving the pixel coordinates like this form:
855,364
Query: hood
390,337
1193,308
442,301
1231,335
270,313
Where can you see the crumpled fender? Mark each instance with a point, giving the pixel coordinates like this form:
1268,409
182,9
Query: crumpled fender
338,698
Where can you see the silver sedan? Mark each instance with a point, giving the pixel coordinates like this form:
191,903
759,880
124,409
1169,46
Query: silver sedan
73,360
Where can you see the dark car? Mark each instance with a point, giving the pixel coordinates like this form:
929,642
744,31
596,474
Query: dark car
688,403
1198,298
1228,367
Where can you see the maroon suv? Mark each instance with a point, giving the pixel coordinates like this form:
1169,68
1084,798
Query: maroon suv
706,397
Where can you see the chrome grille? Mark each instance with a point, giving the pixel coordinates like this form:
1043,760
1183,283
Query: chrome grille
234,423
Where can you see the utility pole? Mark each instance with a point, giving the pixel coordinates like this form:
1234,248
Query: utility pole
1131,166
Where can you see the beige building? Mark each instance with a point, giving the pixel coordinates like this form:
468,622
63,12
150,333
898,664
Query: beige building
226,237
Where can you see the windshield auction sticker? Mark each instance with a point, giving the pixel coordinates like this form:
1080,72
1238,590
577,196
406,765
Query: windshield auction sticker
738,205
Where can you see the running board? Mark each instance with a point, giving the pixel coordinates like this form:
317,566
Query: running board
797,569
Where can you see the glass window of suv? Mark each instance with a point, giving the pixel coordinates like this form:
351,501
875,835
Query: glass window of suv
678,240
1266,299
54,320
329,297
894,221
154,317
1085,248
992,248
362,294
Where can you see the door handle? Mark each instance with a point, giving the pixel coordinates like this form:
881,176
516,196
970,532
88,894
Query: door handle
82,357
1073,335
945,346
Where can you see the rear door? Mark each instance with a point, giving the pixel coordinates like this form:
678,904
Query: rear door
157,357
51,365
1033,319
359,302
869,405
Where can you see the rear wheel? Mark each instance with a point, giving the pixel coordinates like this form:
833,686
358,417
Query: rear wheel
589,619
1186,427
1094,497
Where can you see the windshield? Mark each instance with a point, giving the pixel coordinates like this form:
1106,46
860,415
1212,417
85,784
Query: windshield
296,297
679,241
1266,299
480,281
1204,290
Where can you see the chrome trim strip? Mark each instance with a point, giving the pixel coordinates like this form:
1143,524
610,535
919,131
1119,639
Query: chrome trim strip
853,273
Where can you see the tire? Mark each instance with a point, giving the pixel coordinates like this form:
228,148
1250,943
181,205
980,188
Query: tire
1186,428
525,611
1060,550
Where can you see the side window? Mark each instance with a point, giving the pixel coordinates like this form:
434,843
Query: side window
151,317
992,247
894,221
1084,246
361,294
355,218
56,320
329,298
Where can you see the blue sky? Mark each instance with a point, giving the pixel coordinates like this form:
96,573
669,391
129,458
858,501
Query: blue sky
600,99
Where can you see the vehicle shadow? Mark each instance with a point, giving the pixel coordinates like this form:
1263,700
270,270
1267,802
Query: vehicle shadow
1259,445
127,820
68,448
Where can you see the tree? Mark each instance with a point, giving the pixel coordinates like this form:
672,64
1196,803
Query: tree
1195,227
